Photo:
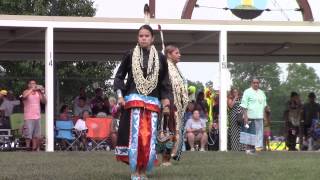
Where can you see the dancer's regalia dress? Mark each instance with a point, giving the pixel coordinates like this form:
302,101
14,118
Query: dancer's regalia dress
174,124
143,92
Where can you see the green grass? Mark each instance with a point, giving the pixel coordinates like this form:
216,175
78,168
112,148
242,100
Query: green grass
194,165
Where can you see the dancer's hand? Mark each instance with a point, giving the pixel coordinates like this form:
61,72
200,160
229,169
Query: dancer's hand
166,110
165,102
121,101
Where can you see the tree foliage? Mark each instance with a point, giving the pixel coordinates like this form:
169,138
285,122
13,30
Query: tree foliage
197,84
302,79
48,7
71,75
267,73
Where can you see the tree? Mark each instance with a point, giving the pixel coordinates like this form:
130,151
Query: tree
48,7
71,75
267,73
302,79
17,73
197,84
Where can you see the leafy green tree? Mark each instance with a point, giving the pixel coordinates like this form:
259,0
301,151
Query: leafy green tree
48,7
197,84
70,75
267,73
16,74
302,79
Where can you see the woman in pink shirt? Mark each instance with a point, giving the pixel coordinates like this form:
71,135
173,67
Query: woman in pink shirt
32,97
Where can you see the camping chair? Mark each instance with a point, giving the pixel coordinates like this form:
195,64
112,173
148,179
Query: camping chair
99,130
65,134
6,142
6,139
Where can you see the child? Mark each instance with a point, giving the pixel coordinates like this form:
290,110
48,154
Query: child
267,128
81,128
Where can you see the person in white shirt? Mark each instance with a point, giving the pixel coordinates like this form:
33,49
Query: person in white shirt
81,123
196,131
81,128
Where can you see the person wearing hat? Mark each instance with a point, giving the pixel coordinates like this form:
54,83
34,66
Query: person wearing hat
7,105
9,102
310,112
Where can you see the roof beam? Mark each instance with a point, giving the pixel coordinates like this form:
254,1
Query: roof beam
188,9
306,10
152,6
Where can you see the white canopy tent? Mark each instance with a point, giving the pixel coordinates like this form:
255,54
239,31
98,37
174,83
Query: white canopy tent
100,39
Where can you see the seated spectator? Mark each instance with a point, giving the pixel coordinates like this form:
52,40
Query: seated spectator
189,110
64,113
202,105
81,127
98,98
102,107
82,93
81,122
196,131
82,106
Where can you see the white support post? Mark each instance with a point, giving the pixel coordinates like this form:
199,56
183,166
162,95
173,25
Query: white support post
223,69
49,84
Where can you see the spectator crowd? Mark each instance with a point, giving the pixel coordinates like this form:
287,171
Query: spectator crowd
249,118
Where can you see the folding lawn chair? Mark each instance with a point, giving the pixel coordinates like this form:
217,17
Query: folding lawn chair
6,139
99,130
65,135
6,142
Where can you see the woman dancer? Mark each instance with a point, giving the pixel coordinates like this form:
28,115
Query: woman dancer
147,83
178,103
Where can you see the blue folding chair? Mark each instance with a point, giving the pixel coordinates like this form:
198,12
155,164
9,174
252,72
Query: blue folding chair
65,137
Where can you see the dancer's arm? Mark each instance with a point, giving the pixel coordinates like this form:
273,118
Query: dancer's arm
165,85
119,84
